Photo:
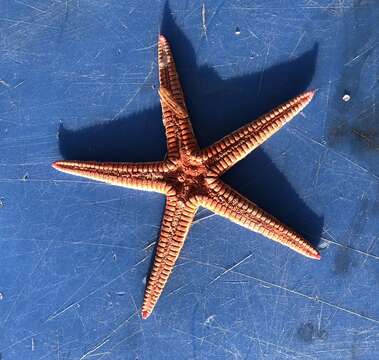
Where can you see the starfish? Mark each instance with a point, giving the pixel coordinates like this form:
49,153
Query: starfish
190,176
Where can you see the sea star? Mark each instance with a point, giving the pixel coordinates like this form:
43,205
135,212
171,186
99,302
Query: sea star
190,177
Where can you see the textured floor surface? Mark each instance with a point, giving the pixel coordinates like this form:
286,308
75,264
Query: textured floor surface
78,80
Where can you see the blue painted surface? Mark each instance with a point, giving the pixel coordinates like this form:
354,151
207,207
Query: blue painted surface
79,81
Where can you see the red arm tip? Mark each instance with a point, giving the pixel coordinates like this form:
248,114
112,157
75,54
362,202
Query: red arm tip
145,314
55,165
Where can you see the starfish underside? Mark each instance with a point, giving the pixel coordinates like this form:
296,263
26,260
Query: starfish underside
190,176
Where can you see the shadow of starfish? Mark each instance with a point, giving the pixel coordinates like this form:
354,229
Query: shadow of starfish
217,107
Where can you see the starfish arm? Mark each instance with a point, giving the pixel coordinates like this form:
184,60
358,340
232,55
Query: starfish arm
232,148
225,201
142,176
179,132
176,222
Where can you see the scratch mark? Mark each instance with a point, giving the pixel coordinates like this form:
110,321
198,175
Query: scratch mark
291,291
297,44
149,245
146,47
219,6
17,342
136,93
267,343
49,354
300,134
264,65
88,353
203,20
107,338
359,55
51,317
204,340
3,82
69,243
39,261
319,163
120,342
178,289
101,263
56,314
58,348
366,254
29,6
80,318
231,268
203,218
19,84
319,318
141,261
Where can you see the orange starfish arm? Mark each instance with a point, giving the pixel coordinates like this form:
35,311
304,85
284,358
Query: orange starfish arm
176,222
142,176
179,132
225,201
222,155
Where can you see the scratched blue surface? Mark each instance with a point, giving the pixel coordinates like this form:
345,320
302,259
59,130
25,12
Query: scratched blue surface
78,80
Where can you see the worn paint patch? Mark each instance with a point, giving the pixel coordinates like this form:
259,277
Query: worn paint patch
309,332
